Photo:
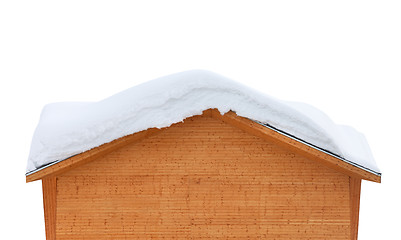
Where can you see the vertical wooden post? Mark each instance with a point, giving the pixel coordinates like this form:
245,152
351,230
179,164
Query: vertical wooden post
355,192
49,188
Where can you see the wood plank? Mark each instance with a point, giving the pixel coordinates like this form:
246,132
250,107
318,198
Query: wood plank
295,146
49,188
355,192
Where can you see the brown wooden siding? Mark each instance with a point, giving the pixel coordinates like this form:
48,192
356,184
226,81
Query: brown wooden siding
203,179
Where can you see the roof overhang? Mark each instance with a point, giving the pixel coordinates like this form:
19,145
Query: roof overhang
255,128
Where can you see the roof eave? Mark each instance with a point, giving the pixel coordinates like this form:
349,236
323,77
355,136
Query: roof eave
296,145
255,128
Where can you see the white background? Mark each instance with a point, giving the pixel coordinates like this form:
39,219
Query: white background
344,57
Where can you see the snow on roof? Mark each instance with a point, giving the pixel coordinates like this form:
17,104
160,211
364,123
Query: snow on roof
67,129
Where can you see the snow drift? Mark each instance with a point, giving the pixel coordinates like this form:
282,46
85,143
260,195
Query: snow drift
67,129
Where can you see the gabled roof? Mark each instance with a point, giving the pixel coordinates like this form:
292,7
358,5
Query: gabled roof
70,130
231,118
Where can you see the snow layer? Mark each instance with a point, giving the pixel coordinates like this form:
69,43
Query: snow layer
67,129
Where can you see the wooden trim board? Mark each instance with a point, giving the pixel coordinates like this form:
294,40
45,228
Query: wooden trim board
85,157
355,193
49,188
295,146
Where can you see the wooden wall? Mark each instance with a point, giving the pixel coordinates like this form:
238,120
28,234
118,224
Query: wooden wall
203,179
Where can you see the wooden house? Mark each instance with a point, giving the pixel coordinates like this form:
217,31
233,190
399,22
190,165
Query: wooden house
214,176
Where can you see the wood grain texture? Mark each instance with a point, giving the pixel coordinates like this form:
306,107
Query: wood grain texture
49,188
355,192
203,179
